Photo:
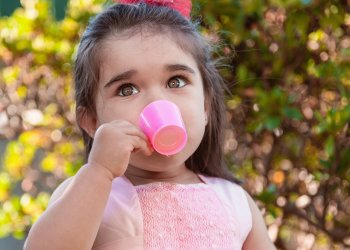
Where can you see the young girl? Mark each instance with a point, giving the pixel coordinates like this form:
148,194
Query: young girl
128,196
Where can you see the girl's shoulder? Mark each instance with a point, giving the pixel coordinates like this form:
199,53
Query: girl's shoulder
236,200
251,222
226,188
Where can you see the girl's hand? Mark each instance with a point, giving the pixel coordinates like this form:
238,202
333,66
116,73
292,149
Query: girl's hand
113,144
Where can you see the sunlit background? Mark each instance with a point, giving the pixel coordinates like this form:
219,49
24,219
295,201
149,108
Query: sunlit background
286,64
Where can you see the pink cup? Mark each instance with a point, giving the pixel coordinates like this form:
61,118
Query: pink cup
161,121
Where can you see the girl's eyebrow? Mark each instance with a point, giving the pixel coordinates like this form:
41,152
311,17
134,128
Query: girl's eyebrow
128,74
125,75
176,67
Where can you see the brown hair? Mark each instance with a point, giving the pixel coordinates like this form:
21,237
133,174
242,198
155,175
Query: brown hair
121,20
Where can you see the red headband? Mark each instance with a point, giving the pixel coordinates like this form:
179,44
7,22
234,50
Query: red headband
182,6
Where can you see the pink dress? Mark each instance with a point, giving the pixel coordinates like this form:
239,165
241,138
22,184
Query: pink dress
210,215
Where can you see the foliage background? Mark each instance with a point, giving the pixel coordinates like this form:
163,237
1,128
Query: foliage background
287,66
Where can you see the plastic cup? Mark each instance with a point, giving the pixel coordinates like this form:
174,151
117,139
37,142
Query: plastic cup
161,121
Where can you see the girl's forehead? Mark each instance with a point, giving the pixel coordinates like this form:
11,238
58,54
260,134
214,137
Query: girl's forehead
147,35
137,41
140,42
142,50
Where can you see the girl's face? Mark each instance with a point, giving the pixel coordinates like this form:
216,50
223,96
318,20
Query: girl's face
144,68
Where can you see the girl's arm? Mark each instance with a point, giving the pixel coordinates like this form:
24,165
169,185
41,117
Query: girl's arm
74,214
258,237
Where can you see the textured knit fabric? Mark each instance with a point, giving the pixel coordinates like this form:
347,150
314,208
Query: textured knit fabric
210,215
188,217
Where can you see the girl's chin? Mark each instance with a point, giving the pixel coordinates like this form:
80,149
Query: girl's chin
157,162
156,155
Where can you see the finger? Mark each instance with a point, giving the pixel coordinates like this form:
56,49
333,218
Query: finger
130,129
134,131
141,145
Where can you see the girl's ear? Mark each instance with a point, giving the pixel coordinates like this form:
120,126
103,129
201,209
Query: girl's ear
86,121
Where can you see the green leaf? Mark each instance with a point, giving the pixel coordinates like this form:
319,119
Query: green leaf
330,146
273,122
49,163
326,164
268,195
344,164
292,113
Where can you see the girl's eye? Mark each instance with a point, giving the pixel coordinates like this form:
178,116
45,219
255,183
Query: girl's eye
127,90
176,82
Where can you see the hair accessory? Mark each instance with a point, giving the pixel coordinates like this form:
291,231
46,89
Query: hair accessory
182,6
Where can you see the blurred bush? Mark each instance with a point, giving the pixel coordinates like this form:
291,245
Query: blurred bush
287,67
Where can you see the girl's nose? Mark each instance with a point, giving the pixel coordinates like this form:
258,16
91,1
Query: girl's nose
156,93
